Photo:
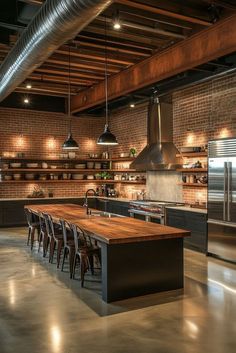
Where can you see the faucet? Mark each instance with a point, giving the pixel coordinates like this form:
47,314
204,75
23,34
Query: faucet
88,211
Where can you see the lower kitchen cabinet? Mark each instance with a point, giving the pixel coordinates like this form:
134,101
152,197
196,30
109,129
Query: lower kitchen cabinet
113,206
195,222
12,212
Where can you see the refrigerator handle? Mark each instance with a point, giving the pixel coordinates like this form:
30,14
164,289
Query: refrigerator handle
229,190
225,190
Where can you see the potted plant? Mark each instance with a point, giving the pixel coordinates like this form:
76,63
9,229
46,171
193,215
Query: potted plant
132,152
105,175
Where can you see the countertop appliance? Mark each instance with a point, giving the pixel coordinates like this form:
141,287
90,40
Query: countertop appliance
222,199
150,210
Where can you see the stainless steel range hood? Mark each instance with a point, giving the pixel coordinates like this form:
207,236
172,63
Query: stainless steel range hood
160,152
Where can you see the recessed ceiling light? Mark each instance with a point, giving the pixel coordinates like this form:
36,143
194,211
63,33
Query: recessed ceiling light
132,105
28,86
117,25
26,100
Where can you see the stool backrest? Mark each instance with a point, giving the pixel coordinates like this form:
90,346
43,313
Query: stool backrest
46,220
29,217
81,239
65,228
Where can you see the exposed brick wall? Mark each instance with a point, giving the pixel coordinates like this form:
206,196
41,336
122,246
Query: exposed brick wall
40,135
201,113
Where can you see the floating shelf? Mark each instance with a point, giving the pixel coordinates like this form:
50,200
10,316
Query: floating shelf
194,185
102,181
192,170
82,159
67,170
192,154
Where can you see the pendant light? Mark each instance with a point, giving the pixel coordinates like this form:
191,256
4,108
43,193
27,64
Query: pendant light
106,138
69,144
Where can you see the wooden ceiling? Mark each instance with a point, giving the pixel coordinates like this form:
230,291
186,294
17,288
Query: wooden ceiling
147,27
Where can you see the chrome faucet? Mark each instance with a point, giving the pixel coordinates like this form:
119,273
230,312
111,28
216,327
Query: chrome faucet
88,211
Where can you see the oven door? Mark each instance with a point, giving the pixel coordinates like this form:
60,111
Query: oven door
145,216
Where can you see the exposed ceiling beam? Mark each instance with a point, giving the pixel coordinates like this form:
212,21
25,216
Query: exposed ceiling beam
207,45
160,11
149,29
32,2
80,75
221,3
58,79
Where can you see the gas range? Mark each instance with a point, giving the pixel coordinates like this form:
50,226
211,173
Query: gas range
150,210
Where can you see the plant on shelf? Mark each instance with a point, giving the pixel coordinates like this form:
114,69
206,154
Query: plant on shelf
132,152
105,175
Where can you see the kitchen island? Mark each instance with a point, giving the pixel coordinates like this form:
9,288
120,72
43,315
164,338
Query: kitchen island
137,257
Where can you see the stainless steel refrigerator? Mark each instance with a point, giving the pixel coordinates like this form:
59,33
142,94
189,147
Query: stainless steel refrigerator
222,198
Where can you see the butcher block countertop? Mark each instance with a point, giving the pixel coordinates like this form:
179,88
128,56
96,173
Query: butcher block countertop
115,230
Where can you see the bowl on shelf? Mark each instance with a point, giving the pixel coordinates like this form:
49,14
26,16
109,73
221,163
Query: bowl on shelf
29,176
15,165
8,177
77,176
32,165
90,177
80,166
53,167
43,177
98,165
16,176
90,165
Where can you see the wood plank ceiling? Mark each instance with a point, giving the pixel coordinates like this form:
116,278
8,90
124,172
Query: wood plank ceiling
147,27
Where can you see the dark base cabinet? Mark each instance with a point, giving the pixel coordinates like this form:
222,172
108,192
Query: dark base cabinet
113,206
12,212
195,222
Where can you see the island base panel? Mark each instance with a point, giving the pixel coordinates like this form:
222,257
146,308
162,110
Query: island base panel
134,269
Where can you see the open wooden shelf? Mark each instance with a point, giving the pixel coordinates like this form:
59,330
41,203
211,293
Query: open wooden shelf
66,170
192,170
194,185
69,160
102,181
192,154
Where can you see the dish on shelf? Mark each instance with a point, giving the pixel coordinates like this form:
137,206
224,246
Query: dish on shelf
8,177
42,177
53,167
15,165
32,165
77,176
66,176
29,176
16,176
98,165
124,154
44,165
80,166
90,177
90,165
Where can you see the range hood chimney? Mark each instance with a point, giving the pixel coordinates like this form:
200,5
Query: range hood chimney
160,152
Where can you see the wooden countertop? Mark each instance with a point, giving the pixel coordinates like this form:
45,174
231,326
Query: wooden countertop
115,230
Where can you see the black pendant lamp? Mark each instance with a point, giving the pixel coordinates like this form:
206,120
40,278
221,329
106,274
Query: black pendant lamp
106,138
70,144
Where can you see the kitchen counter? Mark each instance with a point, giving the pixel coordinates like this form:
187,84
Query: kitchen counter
188,208
137,257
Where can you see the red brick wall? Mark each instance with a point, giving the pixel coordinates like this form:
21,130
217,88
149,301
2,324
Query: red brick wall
203,112
41,134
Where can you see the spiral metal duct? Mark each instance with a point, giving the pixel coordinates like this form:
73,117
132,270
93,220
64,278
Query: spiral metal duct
56,22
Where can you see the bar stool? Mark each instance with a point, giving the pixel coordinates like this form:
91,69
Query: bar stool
43,237
32,227
69,245
57,241
48,237
85,251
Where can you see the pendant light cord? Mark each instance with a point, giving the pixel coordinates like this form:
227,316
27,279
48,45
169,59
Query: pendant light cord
69,91
106,80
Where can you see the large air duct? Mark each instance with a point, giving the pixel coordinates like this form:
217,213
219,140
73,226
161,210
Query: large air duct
56,22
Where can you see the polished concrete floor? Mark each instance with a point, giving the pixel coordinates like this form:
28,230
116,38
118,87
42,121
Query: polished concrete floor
41,310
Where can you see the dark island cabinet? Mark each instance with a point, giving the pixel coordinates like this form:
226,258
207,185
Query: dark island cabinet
195,222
